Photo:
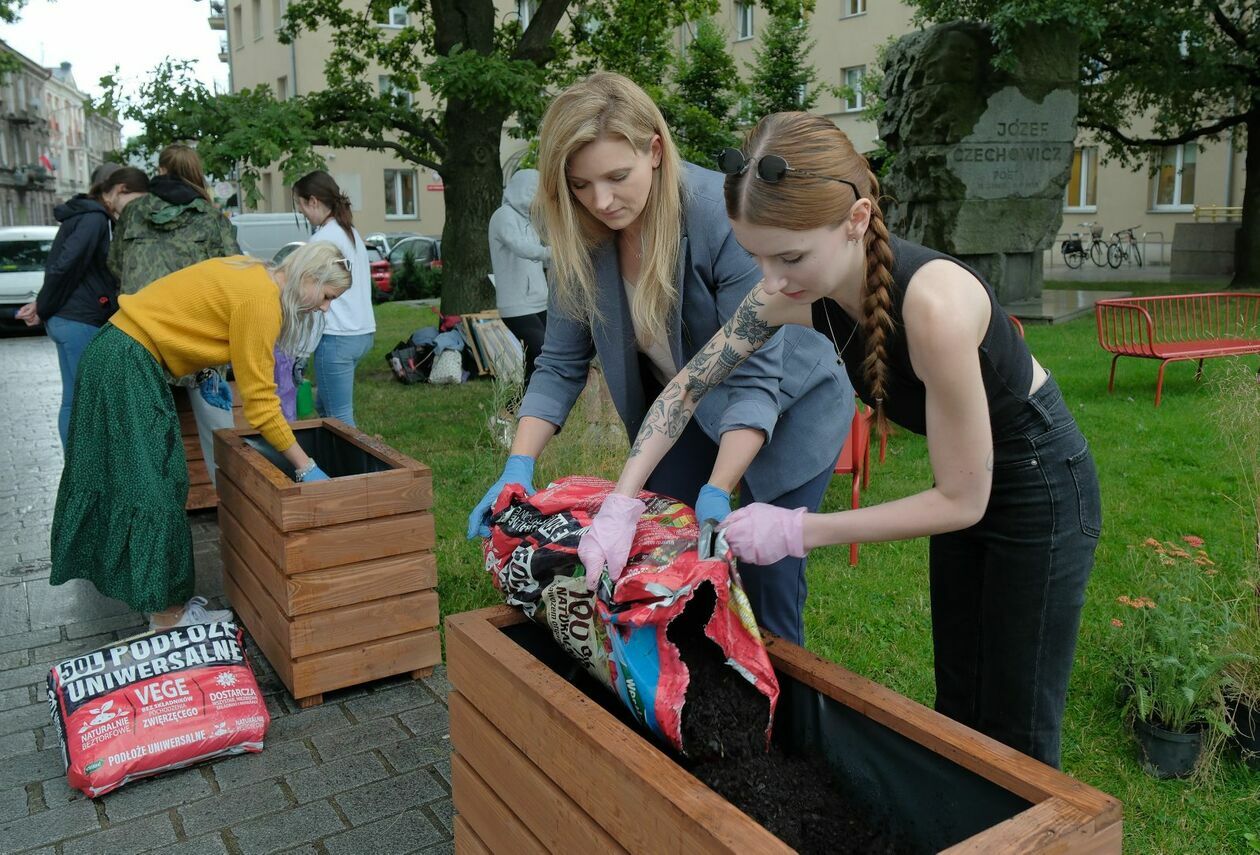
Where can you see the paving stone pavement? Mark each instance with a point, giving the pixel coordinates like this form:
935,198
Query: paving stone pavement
366,772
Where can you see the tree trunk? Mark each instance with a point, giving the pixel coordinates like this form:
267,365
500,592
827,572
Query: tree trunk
1247,245
474,189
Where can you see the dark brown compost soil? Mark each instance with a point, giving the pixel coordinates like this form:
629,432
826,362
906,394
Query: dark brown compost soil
724,734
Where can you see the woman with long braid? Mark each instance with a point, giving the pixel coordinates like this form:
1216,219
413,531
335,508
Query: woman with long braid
1014,512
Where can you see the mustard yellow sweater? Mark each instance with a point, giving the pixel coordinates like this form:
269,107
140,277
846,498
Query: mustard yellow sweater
210,314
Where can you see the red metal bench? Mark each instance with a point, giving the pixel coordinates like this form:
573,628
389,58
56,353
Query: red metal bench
1178,327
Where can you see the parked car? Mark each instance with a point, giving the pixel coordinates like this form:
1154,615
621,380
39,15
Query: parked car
385,240
264,235
23,254
379,268
425,250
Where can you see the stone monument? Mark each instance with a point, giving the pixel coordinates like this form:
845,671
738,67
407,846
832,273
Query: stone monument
980,155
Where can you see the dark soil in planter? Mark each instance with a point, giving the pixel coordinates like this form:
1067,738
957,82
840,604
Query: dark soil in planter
724,731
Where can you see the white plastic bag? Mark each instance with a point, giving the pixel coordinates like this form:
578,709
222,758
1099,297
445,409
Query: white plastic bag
447,368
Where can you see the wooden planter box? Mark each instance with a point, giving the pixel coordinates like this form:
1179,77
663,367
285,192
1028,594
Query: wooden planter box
334,579
540,766
201,494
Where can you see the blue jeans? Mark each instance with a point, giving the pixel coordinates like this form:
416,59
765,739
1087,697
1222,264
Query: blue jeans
335,358
1007,593
71,338
775,591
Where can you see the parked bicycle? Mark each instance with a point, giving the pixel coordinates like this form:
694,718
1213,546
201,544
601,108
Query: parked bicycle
1075,251
1124,247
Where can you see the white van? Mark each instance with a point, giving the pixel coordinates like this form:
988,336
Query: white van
262,235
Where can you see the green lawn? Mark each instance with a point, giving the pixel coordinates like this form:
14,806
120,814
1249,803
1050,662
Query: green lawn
1165,472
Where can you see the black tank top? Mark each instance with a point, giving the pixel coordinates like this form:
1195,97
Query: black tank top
1005,361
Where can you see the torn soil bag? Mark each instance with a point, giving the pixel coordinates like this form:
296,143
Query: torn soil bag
674,637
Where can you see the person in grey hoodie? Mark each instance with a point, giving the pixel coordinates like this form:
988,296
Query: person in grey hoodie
517,256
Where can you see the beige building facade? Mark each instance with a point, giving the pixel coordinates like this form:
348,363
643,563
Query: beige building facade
386,193
389,194
67,126
26,184
848,35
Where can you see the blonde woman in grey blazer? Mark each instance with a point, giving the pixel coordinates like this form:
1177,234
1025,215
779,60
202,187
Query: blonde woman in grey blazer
645,270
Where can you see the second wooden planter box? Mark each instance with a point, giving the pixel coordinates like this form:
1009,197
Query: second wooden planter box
201,493
540,766
335,579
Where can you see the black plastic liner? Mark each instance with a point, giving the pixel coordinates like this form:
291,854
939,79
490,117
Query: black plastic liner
335,455
929,801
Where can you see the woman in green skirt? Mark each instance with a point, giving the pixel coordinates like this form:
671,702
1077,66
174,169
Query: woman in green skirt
119,520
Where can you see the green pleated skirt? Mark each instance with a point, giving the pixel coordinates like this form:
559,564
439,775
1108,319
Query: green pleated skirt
119,520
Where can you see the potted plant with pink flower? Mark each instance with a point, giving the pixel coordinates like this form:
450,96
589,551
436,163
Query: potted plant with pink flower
1172,656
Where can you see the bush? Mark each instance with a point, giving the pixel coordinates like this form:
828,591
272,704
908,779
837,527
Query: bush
414,281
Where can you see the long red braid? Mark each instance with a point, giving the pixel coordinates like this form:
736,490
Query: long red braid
877,322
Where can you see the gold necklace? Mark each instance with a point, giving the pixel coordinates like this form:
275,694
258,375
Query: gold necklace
839,350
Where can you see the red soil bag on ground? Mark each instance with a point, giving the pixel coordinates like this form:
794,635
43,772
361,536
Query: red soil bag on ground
673,628
156,701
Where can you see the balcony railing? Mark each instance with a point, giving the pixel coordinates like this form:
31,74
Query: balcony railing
217,17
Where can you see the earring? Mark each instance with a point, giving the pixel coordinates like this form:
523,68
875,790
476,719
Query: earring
852,239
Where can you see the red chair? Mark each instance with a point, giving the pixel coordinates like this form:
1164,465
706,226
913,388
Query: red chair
855,459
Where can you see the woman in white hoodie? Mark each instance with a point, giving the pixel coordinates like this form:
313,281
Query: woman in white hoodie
517,256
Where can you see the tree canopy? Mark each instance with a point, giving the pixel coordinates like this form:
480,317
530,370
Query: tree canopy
781,77
473,72
1153,74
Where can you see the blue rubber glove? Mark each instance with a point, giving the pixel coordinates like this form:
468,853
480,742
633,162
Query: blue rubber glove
713,503
216,392
315,474
518,470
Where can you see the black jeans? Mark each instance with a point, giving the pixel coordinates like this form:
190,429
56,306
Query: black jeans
1007,593
531,330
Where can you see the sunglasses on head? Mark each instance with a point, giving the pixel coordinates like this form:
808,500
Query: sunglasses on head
770,168
344,262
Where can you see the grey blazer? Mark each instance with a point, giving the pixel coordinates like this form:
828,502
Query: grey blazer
792,388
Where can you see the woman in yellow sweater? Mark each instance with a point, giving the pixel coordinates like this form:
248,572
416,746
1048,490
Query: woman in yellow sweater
119,520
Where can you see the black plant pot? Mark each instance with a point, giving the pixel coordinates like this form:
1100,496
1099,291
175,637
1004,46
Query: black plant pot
1165,753
1247,732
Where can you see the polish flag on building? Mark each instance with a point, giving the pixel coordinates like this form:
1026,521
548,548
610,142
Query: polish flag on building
45,160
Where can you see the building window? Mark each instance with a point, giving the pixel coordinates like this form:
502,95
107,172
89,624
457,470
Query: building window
851,79
395,16
849,8
1082,189
282,88
1174,176
525,10
743,21
238,27
400,194
393,92
278,8
255,7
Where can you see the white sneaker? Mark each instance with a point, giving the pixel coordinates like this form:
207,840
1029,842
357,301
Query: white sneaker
195,611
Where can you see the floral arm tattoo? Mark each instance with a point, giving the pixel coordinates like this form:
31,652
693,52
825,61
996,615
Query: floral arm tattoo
739,338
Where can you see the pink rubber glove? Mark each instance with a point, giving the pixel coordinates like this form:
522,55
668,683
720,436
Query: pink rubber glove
608,538
763,534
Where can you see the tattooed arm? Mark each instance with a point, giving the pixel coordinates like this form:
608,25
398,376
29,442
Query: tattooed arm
752,325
